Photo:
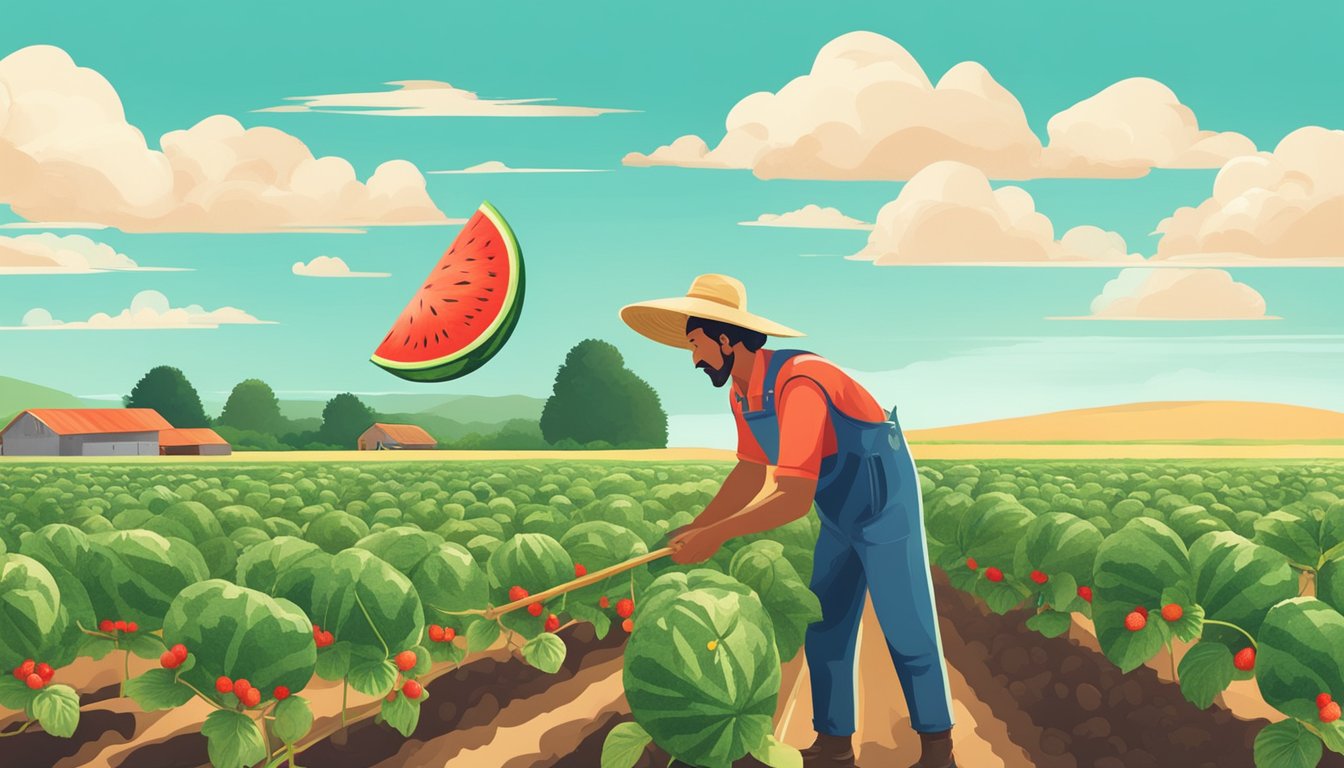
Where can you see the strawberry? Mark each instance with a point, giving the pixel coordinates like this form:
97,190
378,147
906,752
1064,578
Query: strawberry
435,633
241,686
1322,700
1135,621
535,609
448,634
180,651
327,638
25,669
44,671
993,574
33,681
223,684
1330,712
1172,612
625,607
970,563
281,693
252,698
412,689
392,696
119,625
1244,660
169,660
1038,577
628,625
1085,593
604,602
580,571
552,623
1141,609
131,626
406,660
107,625
516,593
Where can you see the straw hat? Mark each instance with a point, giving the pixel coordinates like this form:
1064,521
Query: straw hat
713,297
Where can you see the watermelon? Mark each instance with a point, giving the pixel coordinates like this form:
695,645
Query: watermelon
466,309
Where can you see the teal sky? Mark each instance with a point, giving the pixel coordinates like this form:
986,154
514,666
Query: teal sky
945,344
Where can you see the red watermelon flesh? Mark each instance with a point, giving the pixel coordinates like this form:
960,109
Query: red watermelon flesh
466,309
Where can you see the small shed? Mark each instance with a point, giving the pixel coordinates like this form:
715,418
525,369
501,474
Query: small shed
84,432
193,442
396,437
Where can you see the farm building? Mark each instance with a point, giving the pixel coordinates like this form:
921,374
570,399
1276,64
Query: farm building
193,442
395,437
84,432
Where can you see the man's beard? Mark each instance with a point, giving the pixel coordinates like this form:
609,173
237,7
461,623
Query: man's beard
719,376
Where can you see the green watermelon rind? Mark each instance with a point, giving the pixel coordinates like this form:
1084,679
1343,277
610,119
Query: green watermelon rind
488,344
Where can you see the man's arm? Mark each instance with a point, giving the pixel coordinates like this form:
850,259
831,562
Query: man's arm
738,489
790,499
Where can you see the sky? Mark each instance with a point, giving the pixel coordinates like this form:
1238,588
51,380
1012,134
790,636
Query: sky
944,342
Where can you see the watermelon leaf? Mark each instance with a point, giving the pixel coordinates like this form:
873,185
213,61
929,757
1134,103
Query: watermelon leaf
624,745
545,652
777,754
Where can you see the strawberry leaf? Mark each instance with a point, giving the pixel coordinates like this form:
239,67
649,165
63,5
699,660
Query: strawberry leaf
232,739
624,745
158,689
545,652
449,652
146,646
56,708
1286,744
14,694
374,678
96,647
293,719
1050,623
1205,671
333,662
481,635
423,661
402,713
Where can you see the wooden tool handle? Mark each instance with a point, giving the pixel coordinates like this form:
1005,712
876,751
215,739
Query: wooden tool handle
580,582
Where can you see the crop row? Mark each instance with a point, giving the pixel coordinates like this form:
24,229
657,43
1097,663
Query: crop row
1222,558
246,585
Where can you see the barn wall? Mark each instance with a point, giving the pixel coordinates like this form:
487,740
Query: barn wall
216,450
29,437
371,437
112,444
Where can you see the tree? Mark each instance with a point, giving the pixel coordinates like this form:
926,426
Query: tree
253,406
344,419
166,390
597,398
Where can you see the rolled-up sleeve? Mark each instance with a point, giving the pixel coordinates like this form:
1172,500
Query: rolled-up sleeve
803,416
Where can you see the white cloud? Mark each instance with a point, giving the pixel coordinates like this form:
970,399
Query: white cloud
67,153
1176,294
1280,208
496,166
330,266
149,310
949,214
867,110
431,98
50,254
808,217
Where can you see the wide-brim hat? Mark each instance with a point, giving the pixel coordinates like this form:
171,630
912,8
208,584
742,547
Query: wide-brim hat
712,297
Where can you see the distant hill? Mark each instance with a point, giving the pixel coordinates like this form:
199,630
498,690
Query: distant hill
470,410
17,396
1194,421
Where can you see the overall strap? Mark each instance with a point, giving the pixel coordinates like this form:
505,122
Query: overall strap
777,360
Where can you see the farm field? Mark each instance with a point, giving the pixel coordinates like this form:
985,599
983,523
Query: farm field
1091,612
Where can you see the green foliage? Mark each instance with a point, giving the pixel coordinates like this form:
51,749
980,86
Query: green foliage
253,406
344,419
596,397
166,390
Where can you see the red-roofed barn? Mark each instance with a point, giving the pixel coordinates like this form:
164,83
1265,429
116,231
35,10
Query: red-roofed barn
193,442
84,432
395,437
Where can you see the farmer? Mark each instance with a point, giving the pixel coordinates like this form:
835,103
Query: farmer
830,442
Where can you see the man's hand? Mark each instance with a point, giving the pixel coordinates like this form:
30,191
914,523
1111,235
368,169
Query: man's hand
693,544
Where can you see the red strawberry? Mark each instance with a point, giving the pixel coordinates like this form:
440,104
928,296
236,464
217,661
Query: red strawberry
412,689
603,602
169,661
223,684
1038,577
252,698
1322,700
1135,621
281,693
1085,593
535,609
993,574
107,625
406,660
1330,712
33,681
1141,609
970,563
1172,612
392,696
240,687
25,669
628,625
552,623
448,634
579,570
516,593
119,625
435,633
1244,660
44,671
625,607
327,638
180,651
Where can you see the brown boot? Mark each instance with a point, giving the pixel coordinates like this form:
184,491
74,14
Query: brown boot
830,752
936,750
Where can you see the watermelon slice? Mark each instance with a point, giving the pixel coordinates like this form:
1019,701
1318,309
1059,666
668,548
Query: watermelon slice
465,311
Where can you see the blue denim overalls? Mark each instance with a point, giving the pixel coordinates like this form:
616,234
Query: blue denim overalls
872,535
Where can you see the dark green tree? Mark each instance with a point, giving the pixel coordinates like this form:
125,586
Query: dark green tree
344,419
166,390
253,406
597,398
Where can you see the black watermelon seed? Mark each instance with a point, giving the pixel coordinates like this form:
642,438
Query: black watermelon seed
462,282
448,301
433,311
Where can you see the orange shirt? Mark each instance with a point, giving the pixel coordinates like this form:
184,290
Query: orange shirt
806,435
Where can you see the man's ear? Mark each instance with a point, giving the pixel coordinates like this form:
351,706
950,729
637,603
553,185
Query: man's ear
725,345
